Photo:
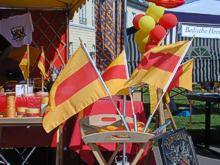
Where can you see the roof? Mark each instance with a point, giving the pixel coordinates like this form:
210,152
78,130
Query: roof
210,7
71,5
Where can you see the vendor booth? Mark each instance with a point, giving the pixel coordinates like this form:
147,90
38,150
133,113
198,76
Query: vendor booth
47,34
202,22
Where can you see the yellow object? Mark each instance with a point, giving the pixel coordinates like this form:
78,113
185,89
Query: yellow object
24,66
73,90
140,38
41,63
146,23
32,111
21,109
156,12
116,75
155,69
71,5
153,97
44,100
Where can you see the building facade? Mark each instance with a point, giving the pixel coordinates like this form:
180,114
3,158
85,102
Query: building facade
83,23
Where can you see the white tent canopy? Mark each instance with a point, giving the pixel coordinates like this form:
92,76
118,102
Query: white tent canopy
210,7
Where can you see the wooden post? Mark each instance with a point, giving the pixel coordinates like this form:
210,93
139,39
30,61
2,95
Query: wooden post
59,148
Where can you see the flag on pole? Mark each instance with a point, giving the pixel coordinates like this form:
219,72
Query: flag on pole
24,66
116,75
42,62
76,87
183,77
158,64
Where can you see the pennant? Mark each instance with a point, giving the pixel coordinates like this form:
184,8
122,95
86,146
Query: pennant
76,87
24,66
116,75
158,64
42,63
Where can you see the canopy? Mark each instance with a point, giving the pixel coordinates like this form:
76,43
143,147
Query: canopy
71,5
209,7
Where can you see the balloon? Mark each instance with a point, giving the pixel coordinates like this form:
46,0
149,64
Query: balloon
155,11
149,46
146,23
168,21
139,36
136,20
168,3
158,33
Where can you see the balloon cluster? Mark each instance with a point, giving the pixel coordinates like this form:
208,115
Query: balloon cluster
152,27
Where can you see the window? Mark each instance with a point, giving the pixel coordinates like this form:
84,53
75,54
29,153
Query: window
200,52
82,16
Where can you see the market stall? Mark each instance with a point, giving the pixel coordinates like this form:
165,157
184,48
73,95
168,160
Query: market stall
48,33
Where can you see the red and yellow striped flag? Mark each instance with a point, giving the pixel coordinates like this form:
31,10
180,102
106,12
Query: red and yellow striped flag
158,64
116,75
183,77
76,87
24,66
41,63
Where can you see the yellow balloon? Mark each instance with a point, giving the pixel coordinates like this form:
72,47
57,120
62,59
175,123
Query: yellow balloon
155,11
139,36
146,23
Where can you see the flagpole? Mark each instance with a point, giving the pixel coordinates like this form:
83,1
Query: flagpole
167,85
28,63
42,83
106,88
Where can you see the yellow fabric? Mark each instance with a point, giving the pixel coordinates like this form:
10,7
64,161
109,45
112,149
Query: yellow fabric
71,5
153,97
41,65
156,76
153,76
24,67
79,100
185,80
177,49
117,86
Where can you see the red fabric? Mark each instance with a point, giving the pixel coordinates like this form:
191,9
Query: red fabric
27,101
103,107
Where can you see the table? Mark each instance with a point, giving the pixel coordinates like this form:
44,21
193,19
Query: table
208,98
26,132
104,106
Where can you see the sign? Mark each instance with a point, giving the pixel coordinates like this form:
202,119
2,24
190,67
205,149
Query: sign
176,147
200,31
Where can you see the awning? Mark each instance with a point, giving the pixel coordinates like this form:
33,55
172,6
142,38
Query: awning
71,5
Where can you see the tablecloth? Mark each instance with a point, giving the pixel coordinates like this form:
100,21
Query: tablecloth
104,106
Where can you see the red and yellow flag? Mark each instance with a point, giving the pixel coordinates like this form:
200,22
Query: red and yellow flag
76,87
183,77
116,75
24,66
158,64
42,62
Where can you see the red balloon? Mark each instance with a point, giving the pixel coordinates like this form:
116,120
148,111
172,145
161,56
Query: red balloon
168,3
149,46
168,21
157,33
136,20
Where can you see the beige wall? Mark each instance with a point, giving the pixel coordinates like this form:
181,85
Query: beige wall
85,31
